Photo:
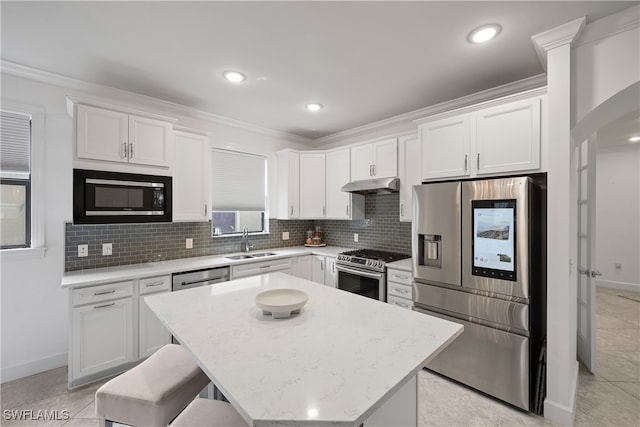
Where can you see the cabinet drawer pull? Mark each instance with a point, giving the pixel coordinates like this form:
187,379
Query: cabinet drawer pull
112,291
103,305
401,304
150,285
265,266
400,276
402,291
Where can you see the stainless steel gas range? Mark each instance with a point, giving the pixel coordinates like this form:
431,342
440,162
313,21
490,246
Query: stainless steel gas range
363,272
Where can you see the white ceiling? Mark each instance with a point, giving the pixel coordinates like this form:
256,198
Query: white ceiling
365,61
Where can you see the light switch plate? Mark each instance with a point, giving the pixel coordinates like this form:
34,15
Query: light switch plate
189,243
83,250
107,249
285,235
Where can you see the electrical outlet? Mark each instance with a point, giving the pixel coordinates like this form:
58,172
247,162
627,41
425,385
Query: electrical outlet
189,243
285,235
83,250
355,237
107,249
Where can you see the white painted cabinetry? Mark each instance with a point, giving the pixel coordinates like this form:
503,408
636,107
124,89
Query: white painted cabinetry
102,329
340,204
288,184
409,153
152,333
504,137
107,135
301,266
323,270
312,185
399,287
375,160
191,177
261,267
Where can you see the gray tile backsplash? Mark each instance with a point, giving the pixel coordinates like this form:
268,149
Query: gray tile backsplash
140,243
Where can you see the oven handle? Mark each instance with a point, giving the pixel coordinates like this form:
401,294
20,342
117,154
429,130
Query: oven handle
359,272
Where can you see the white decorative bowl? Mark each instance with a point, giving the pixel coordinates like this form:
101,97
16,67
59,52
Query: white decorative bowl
281,303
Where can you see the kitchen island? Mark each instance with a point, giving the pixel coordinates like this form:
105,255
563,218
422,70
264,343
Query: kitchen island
343,360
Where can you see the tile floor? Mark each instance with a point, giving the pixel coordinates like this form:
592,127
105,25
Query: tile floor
609,398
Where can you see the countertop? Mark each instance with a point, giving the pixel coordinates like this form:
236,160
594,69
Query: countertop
128,272
403,264
334,364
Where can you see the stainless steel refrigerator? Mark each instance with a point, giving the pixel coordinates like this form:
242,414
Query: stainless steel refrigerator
479,253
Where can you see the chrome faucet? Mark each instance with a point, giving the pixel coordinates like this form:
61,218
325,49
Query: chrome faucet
246,247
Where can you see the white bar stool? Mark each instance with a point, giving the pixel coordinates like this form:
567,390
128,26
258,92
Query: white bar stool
152,393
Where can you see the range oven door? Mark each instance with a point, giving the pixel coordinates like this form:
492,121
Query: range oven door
362,282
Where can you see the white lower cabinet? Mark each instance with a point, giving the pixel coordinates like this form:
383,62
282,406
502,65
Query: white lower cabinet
399,288
102,330
301,266
261,267
152,333
323,270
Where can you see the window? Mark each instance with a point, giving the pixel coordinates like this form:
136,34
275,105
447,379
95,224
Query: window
15,180
239,193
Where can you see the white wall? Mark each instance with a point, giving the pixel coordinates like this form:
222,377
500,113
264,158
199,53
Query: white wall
618,215
34,308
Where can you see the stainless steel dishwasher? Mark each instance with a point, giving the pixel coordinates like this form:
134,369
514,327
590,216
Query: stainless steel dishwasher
192,279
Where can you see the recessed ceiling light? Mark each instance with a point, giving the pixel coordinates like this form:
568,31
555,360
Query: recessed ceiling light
234,76
314,107
484,33
634,139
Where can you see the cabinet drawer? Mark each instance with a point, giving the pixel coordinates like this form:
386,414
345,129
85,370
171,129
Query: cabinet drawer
400,290
400,302
255,268
155,284
99,293
399,276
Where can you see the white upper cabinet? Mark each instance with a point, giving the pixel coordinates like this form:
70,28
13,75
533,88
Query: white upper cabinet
409,149
375,160
341,205
445,147
312,185
288,184
191,177
107,135
503,138
508,137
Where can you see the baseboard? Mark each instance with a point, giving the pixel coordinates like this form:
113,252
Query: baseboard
15,372
559,413
625,286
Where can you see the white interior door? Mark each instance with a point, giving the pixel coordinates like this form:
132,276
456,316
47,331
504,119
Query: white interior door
587,273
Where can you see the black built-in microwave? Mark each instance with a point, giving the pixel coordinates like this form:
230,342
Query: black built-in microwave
101,197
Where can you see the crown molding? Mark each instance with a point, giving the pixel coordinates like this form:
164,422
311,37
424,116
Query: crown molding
556,37
611,25
408,119
23,71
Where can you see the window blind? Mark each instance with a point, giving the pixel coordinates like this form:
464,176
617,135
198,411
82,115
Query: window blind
15,145
239,181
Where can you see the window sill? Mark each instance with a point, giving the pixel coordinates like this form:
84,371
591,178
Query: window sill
22,254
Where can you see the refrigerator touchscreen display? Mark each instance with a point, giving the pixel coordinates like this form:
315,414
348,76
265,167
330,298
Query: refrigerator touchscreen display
494,239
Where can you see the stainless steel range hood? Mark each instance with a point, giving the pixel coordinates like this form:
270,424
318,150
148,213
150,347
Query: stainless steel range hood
373,186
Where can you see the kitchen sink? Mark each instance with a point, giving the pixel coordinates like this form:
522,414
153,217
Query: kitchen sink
240,257
248,256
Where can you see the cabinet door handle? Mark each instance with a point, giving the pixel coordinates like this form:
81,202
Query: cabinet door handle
103,305
151,285
370,170
105,292
333,267
374,170
291,210
478,161
401,209
347,210
125,151
322,265
324,210
131,150
205,209
466,158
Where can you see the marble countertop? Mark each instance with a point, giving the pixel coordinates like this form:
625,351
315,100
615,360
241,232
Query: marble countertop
128,272
334,364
